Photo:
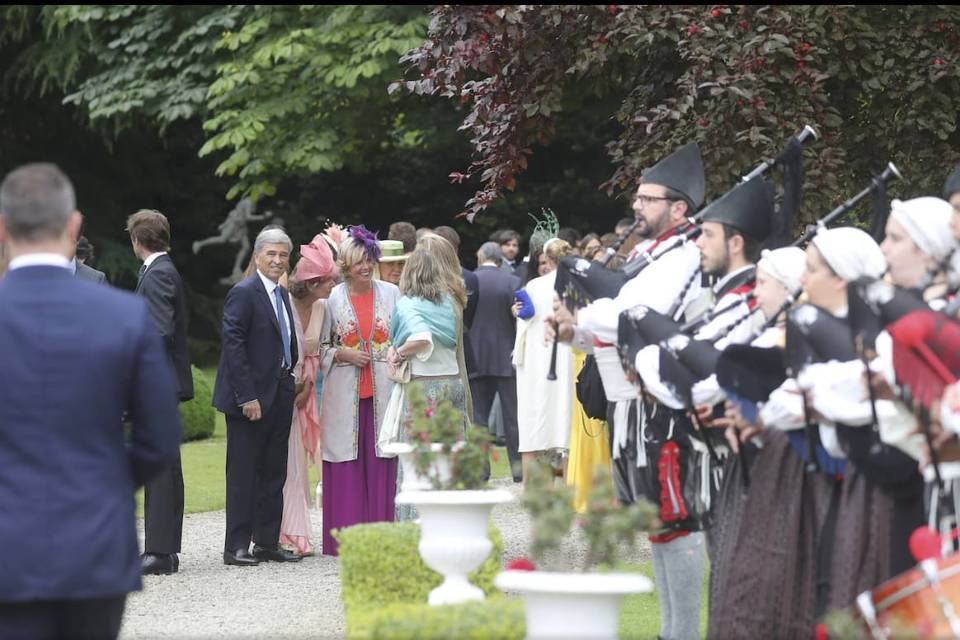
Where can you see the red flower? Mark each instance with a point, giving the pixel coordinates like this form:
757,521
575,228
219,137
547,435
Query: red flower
612,9
821,632
938,61
744,24
715,13
702,122
801,64
693,30
521,564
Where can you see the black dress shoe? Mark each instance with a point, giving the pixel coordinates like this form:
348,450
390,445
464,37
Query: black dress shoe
275,555
159,564
240,558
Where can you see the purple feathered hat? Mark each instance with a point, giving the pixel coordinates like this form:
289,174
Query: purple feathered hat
368,239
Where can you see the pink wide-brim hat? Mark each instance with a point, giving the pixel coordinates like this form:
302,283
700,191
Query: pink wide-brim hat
316,260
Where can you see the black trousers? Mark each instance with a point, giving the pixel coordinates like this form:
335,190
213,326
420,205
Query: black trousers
81,619
256,472
484,388
163,510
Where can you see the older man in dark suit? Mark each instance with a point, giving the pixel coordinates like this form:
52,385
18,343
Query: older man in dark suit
159,283
76,358
491,339
255,391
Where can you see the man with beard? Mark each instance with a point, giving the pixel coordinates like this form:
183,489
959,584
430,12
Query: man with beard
648,433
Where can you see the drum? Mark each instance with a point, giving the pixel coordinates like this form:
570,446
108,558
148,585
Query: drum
923,602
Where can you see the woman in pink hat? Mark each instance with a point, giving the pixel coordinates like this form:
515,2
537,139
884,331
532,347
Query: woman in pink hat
310,285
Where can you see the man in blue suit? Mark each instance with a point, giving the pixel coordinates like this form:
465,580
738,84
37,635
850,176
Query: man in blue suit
255,391
76,358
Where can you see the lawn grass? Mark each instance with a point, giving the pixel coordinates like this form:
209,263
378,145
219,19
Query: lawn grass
204,468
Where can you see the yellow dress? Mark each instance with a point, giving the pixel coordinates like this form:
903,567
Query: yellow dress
589,446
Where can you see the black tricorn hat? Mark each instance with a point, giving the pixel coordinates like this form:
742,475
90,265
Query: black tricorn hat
748,207
815,335
952,185
875,303
639,327
681,171
580,281
751,372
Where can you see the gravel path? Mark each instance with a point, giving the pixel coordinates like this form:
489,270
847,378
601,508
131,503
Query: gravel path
207,599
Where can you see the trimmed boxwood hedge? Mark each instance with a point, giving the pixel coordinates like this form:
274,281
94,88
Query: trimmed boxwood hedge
496,618
198,416
385,585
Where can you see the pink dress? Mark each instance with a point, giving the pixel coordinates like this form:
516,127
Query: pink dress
302,447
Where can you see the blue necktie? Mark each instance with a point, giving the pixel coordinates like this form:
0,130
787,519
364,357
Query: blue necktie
284,329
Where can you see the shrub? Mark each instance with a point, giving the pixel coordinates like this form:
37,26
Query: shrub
498,618
381,566
198,416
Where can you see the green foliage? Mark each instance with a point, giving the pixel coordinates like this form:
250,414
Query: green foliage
283,89
550,508
609,528
380,565
739,79
304,90
496,618
198,416
442,423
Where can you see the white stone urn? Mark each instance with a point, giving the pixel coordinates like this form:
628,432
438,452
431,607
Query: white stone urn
454,537
572,605
412,479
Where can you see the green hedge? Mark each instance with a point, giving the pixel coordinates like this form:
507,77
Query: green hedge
496,618
198,416
384,581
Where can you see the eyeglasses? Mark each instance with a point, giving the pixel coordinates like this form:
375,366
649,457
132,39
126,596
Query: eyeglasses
648,200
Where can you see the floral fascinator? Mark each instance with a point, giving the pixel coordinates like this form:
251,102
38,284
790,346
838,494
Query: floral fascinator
367,239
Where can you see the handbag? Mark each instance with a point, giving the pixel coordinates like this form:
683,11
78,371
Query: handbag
400,374
392,417
590,391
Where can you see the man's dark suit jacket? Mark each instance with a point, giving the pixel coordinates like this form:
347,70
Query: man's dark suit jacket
473,295
89,273
76,356
252,355
494,327
163,290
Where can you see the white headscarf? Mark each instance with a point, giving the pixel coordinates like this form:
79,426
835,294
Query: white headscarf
927,222
851,253
784,265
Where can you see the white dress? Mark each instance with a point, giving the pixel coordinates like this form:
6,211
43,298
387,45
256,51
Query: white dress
544,407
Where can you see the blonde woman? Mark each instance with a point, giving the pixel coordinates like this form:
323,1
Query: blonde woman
451,275
359,480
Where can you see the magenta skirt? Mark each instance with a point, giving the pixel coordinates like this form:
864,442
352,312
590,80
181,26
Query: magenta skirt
362,490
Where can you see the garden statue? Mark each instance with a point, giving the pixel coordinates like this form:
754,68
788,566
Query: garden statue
233,230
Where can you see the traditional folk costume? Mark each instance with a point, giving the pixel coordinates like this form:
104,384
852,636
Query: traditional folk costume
651,451
748,208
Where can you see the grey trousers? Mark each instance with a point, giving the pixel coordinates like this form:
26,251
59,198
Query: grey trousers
678,568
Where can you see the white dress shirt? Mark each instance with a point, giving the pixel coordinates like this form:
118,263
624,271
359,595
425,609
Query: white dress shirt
270,285
40,259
